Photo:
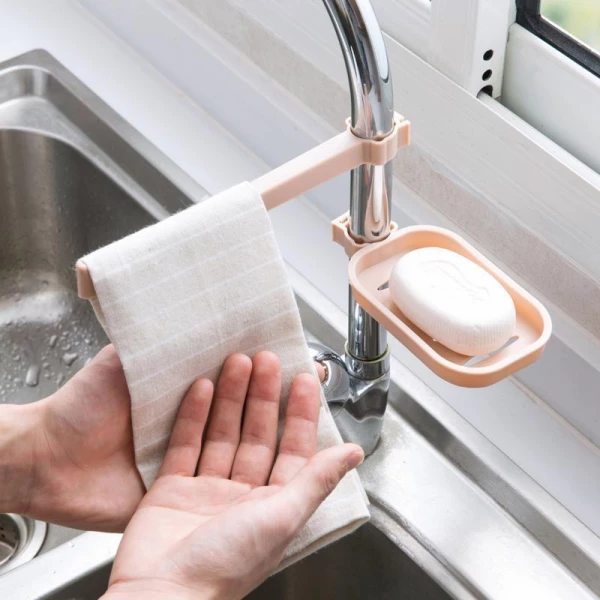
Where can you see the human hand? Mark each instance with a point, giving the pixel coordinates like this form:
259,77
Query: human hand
73,462
224,508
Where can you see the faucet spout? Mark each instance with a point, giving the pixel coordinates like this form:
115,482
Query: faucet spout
372,117
372,112
371,92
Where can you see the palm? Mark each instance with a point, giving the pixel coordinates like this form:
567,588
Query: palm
89,443
178,507
223,510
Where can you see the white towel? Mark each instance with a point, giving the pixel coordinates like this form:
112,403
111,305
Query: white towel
180,296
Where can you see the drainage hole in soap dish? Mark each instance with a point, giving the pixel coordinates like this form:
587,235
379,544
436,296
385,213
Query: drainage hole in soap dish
474,360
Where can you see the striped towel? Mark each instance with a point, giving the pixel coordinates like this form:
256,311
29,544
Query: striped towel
180,296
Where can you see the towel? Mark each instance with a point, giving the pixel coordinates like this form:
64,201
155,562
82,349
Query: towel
180,296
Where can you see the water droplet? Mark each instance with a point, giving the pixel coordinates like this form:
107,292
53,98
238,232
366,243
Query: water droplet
46,365
67,347
18,381
88,341
69,358
60,379
33,375
53,341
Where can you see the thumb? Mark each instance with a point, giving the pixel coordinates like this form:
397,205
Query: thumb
317,479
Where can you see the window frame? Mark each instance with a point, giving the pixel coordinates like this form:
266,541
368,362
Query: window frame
529,15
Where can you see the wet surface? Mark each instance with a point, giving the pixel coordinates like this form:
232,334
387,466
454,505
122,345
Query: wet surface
44,344
55,207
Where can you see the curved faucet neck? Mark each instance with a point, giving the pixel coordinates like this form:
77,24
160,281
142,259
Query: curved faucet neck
369,75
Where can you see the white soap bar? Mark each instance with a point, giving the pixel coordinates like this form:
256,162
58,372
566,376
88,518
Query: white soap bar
453,300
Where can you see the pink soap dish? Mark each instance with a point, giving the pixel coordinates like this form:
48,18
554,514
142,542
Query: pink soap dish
369,272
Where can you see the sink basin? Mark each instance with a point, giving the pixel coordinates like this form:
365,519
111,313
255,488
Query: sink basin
61,196
363,565
56,205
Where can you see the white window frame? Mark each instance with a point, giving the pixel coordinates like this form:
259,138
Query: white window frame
553,94
538,83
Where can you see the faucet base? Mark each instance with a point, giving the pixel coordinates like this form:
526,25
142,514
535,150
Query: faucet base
356,392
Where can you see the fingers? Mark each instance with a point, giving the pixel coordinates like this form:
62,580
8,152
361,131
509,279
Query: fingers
289,509
299,441
223,434
186,439
299,499
254,458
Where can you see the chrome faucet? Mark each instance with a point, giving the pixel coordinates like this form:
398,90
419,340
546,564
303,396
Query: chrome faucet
356,386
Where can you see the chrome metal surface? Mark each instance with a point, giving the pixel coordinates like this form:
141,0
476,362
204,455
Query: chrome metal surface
443,497
361,421
372,114
356,393
370,202
336,386
367,339
369,75
20,540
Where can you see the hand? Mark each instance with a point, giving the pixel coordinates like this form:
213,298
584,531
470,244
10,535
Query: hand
222,512
74,460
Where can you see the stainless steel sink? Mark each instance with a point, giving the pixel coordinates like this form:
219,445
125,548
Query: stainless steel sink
452,516
55,206
60,197
364,565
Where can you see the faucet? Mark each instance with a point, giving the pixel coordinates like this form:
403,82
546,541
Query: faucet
356,385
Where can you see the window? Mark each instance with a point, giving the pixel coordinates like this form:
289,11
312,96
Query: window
573,27
581,19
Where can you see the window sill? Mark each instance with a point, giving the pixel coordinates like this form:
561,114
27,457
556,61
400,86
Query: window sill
553,94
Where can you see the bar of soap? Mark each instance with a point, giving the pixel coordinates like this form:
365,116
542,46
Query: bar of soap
453,300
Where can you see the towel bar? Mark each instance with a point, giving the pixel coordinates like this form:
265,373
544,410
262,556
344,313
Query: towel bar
334,157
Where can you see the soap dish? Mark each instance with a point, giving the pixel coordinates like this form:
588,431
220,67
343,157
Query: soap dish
369,272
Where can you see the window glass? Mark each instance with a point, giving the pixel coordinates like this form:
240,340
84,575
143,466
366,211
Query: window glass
580,18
